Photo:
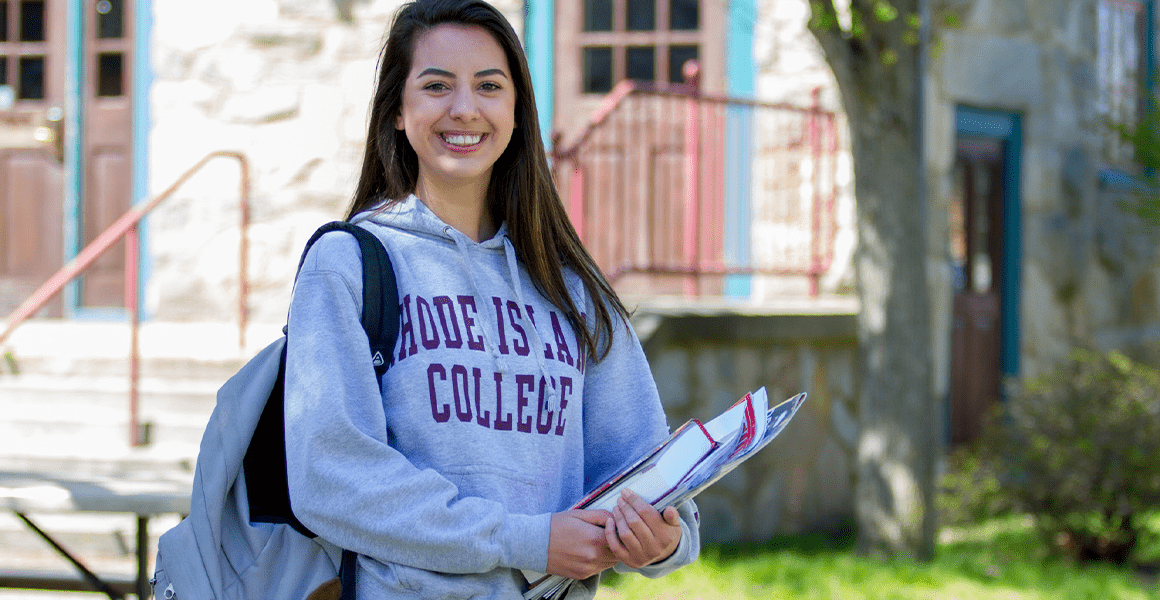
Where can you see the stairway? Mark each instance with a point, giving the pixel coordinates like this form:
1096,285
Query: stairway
64,407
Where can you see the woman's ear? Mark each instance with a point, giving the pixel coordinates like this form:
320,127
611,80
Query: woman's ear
399,122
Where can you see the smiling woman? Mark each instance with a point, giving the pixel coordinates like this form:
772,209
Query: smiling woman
458,114
516,382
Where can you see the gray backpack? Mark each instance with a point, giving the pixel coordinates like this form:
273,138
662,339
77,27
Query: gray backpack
241,540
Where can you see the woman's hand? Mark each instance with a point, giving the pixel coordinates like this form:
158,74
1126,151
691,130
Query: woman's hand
577,546
638,535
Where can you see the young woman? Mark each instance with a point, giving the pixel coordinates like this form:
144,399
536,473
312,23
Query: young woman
516,383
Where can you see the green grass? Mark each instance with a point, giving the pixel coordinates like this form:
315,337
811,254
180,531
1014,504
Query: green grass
1003,559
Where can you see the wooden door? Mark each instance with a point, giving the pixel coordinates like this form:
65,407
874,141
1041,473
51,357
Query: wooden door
34,52
107,142
32,73
977,252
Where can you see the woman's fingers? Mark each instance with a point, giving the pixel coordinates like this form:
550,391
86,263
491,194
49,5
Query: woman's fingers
638,535
577,546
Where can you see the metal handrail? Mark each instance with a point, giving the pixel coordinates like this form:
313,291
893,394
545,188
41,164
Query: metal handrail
127,227
628,87
818,135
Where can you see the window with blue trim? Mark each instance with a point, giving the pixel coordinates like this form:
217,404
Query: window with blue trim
1124,67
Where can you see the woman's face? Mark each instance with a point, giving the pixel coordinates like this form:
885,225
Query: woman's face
458,108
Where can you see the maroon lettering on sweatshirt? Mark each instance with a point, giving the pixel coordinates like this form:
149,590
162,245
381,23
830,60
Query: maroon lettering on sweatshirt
445,308
501,423
513,313
462,400
562,353
544,426
502,346
481,416
406,329
565,391
441,414
522,401
532,318
465,303
428,334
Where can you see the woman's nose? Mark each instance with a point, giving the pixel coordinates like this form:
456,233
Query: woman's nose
463,104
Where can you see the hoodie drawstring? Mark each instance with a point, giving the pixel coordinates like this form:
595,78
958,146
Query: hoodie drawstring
420,214
553,402
501,365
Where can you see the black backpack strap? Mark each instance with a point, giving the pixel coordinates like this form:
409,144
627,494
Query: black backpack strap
346,574
380,314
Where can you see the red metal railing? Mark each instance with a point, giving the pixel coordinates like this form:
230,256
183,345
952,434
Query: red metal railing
127,226
675,191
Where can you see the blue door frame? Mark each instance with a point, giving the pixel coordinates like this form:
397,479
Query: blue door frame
1006,127
74,164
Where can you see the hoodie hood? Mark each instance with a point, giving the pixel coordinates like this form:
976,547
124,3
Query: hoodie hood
411,214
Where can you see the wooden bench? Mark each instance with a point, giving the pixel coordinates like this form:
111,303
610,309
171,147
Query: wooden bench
144,494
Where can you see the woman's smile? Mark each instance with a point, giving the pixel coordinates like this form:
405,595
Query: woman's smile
463,142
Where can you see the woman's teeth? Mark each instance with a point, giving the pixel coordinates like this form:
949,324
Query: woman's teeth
463,140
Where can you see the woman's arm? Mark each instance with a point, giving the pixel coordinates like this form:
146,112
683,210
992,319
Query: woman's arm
623,419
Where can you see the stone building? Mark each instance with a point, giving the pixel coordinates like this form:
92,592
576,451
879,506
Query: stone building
1029,254
1020,101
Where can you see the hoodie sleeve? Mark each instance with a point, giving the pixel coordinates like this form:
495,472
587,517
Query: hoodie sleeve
346,483
623,419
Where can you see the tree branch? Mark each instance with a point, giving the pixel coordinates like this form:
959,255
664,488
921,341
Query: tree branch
828,31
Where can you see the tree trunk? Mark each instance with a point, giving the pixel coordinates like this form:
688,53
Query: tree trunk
878,78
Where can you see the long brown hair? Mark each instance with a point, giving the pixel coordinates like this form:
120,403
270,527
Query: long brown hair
521,191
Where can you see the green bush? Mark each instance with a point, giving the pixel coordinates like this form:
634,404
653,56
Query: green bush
969,490
1079,450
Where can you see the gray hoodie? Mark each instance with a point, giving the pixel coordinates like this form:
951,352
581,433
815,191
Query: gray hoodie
491,416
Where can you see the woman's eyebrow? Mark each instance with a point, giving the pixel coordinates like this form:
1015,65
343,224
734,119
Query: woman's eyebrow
439,72
450,75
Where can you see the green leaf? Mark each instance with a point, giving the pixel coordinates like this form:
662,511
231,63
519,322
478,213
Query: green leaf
1122,363
821,18
884,11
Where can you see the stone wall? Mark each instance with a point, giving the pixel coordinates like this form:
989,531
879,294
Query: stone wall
286,82
803,481
1089,274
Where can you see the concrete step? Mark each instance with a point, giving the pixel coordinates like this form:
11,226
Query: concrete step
56,398
118,368
182,351
64,386
58,417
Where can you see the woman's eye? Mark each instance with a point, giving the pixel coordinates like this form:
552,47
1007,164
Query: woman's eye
490,86
436,85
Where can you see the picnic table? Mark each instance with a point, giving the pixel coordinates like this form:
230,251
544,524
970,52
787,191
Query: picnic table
145,494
